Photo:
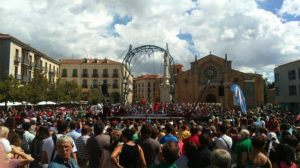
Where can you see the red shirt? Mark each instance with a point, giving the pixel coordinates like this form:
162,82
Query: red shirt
194,139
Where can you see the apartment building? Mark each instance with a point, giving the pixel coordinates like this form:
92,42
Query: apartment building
21,60
93,73
287,86
146,87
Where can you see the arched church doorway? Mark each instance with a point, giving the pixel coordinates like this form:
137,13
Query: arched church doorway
210,98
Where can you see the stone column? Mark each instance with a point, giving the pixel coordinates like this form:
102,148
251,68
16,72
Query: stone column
165,86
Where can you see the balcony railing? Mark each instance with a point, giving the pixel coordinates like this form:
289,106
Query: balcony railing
115,86
84,86
115,75
25,61
85,75
105,75
19,77
64,75
45,69
95,75
18,59
25,78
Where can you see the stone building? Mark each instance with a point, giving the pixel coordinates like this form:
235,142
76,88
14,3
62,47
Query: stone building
287,86
146,87
21,60
88,73
190,83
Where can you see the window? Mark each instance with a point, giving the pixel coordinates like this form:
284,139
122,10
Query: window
115,73
277,91
299,73
16,72
30,60
64,73
49,67
84,84
276,77
293,90
95,83
149,85
46,67
95,73
292,75
105,82
84,73
17,53
115,84
105,72
74,73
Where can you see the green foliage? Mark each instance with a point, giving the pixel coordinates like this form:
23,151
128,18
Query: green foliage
10,89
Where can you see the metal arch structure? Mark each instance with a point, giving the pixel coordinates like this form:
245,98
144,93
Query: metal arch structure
145,49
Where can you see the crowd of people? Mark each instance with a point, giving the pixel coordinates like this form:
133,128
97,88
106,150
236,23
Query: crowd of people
78,137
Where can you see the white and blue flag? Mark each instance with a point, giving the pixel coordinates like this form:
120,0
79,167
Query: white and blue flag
239,97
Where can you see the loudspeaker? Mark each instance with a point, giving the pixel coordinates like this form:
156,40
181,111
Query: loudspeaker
221,90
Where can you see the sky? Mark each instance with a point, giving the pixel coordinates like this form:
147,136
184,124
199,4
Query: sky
257,35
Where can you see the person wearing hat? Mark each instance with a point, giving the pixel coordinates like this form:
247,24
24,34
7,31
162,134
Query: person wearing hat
244,145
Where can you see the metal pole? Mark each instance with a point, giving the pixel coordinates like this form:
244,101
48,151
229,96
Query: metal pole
200,96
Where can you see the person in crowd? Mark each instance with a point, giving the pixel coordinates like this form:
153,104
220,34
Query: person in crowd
194,137
244,145
130,155
168,155
49,143
63,159
105,160
96,143
169,136
72,133
203,153
189,157
220,158
36,147
151,147
81,142
27,138
224,141
256,158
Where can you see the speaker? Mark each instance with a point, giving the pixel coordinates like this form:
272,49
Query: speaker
221,90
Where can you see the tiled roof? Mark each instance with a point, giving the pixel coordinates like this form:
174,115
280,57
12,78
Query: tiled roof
89,61
148,76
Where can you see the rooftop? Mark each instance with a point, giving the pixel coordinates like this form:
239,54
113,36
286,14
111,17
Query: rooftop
148,76
89,61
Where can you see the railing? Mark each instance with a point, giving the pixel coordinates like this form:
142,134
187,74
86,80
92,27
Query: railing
115,86
18,59
45,69
105,75
85,75
64,75
25,61
19,77
95,75
25,78
115,75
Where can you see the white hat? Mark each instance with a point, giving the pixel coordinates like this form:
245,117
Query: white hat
272,137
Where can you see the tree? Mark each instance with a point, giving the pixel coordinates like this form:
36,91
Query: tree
39,87
9,89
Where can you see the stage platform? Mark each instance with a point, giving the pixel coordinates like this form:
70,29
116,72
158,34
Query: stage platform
146,116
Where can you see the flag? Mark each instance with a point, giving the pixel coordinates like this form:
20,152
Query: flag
239,97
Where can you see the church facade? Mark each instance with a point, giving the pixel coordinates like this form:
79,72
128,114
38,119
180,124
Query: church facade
216,75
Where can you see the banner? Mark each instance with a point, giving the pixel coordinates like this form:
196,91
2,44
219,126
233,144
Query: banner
239,97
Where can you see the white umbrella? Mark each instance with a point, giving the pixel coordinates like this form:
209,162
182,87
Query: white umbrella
26,103
13,103
46,103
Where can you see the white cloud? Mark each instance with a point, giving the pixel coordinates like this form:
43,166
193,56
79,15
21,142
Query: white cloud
254,39
290,7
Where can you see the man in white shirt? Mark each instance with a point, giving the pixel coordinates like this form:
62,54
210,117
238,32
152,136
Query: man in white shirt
224,141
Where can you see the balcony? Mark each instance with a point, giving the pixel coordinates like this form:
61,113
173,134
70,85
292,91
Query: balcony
95,75
19,77
85,75
115,86
105,75
25,61
18,60
45,69
115,75
64,75
25,78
